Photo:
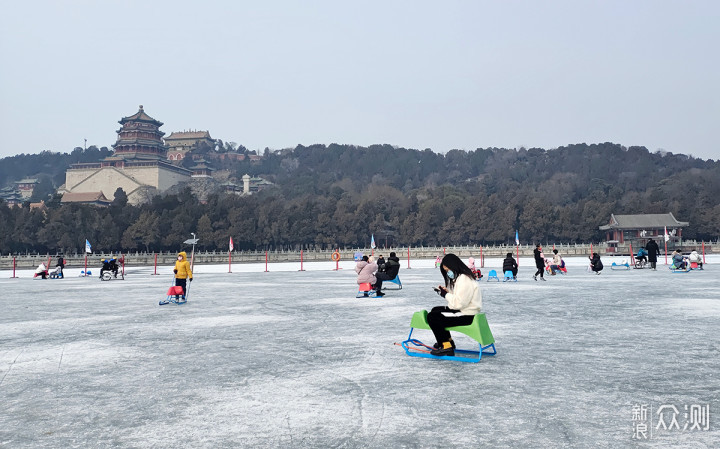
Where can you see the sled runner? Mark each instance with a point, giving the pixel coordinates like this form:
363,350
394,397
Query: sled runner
109,275
478,330
675,269
395,281
622,266
365,290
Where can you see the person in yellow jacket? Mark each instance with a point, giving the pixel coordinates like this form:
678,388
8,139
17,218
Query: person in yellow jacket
182,272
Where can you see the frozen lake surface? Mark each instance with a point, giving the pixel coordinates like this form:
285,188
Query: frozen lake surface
292,359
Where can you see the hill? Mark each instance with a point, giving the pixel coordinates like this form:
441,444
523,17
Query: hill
334,195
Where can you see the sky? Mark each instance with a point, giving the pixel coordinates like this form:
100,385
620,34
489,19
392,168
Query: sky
416,74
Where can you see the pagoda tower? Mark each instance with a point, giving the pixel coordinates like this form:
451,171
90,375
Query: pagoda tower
140,138
138,166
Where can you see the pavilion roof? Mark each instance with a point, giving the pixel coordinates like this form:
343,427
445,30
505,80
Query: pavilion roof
643,221
140,116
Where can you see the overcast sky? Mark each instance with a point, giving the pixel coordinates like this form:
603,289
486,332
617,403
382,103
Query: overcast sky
418,74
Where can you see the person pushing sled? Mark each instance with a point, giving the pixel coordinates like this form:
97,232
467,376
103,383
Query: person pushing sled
183,273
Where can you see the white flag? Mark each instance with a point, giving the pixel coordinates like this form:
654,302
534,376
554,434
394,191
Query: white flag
231,244
667,237
88,248
517,238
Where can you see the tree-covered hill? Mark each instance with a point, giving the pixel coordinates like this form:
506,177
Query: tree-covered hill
338,195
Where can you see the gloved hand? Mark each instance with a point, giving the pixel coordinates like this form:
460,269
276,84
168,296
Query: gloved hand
443,291
190,279
175,271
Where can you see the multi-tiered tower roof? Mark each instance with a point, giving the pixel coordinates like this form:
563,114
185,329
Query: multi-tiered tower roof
140,137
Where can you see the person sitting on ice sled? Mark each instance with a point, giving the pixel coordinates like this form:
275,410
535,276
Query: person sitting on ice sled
695,257
386,272
109,265
471,264
182,273
41,271
679,260
464,301
509,264
365,270
642,255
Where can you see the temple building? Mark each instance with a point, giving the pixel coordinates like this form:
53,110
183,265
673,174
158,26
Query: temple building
180,143
138,164
26,187
636,230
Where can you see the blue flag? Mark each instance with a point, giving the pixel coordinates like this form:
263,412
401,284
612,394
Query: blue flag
88,248
517,239
372,241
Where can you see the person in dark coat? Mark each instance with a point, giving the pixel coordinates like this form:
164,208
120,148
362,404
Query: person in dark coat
509,264
539,262
59,267
595,264
392,267
653,251
381,263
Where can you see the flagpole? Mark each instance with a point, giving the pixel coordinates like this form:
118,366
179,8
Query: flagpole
666,238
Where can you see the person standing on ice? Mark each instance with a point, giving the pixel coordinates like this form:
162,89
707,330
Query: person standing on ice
653,250
464,301
539,262
182,273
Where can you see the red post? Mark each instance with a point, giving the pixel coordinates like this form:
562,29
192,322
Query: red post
122,262
591,249
443,250
48,264
86,265
702,247
229,262
266,267
155,273
482,259
13,276
301,261
517,254
408,257
665,252
632,258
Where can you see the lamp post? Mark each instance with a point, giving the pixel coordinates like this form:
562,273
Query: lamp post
193,241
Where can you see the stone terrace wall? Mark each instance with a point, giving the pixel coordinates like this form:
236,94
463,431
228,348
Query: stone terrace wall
423,252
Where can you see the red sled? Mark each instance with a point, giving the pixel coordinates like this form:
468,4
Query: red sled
175,290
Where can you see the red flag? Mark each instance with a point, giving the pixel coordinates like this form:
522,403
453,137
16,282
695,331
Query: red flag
231,244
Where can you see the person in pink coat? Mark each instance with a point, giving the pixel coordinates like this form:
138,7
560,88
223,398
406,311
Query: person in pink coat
365,270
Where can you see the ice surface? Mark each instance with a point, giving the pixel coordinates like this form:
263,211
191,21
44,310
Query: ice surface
292,359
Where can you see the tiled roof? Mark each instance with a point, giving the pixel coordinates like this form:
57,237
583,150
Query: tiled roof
84,197
140,115
643,221
189,135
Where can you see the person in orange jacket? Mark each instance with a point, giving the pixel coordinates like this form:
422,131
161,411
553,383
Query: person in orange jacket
182,273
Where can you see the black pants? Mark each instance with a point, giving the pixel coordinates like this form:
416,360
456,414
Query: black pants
380,278
438,322
540,270
653,264
181,283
